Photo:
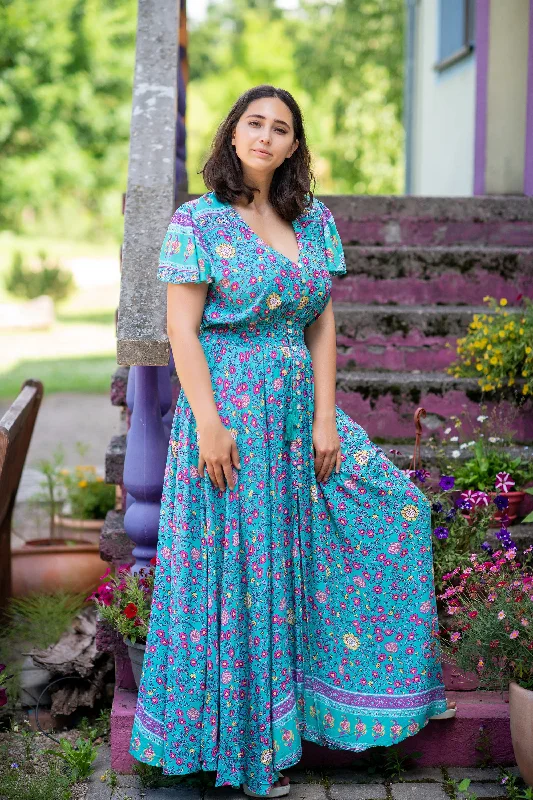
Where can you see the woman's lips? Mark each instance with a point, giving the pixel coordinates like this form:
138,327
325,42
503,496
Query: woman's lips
262,153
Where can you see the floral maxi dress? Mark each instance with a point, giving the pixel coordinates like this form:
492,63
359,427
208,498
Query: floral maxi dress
285,609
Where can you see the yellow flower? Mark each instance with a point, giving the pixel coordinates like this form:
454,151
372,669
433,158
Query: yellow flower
502,334
479,367
82,484
503,301
525,389
528,350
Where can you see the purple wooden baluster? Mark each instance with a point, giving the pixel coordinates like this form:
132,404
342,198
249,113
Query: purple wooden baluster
165,398
144,465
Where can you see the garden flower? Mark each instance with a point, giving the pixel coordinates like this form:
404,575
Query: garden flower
463,503
441,532
456,453
524,621
455,636
501,502
504,482
447,482
452,513
472,614
422,474
482,418
501,614
513,634
130,611
14,765
3,696
437,507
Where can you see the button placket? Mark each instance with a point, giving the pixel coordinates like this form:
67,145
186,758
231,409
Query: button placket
293,422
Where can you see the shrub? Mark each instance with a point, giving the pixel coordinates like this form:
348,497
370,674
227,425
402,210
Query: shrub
89,497
498,348
28,282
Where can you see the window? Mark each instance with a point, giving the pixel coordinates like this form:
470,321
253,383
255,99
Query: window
456,31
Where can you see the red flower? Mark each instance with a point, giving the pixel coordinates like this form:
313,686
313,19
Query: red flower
153,561
472,614
130,611
3,696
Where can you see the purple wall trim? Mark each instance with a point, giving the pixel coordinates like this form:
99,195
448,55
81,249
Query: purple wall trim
482,63
528,165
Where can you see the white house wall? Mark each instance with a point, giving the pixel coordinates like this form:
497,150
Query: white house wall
444,115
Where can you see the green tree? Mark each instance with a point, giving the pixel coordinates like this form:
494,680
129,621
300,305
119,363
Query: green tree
66,72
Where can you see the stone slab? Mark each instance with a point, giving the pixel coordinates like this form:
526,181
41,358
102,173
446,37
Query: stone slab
119,385
114,459
422,774
115,545
347,791
474,773
483,790
418,791
180,793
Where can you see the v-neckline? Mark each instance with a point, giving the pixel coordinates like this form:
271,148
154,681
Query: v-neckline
294,224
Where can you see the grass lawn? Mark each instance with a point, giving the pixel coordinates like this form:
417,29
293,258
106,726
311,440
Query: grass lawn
77,353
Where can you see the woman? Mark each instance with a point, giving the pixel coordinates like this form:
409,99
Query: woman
294,595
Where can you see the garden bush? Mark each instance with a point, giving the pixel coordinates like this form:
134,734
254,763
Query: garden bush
28,281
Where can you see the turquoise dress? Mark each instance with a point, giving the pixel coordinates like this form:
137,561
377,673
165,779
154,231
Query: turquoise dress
285,609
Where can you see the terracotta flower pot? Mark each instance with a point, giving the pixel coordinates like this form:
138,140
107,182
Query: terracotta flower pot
87,530
514,498
136,654
46,565
521,717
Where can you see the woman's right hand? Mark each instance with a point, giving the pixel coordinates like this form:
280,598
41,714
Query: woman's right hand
218,452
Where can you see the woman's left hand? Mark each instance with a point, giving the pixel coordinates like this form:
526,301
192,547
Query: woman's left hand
327,446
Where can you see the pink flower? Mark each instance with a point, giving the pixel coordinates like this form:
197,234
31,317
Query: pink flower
503,482
480,498
513,634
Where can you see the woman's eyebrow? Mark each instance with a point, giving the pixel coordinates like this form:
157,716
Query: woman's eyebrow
263,117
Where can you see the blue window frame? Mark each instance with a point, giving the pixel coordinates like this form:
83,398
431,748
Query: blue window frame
456,31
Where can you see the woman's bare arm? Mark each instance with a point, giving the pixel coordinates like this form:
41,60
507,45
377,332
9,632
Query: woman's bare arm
218,450
320,338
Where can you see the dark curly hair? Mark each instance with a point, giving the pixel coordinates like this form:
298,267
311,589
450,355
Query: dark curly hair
290,190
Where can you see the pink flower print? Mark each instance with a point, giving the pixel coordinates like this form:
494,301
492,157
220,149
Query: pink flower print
391,647
378,730
396,730
226,677
193,714
394,548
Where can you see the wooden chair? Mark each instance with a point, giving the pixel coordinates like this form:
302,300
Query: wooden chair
16,429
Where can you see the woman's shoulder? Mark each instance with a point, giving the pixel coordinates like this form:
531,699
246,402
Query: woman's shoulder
196,208
317,210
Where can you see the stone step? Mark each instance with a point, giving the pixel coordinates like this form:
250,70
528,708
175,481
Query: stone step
433,221
434,274
399,337
119,384
384,402
450,743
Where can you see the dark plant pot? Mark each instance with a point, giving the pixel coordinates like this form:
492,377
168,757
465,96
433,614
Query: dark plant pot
521,718
136,653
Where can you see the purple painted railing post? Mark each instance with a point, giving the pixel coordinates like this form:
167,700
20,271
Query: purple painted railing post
144,464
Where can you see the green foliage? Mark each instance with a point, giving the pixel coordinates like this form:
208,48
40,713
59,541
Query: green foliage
84,374
78,757
51,494
342,61
66,71
16,784
28,282
498,348
41,619
89,497
479,472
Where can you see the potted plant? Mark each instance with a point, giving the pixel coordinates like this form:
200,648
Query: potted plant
124,601
491,601
53,562
87,499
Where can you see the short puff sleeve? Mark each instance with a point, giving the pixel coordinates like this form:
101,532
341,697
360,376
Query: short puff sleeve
183,257
333,251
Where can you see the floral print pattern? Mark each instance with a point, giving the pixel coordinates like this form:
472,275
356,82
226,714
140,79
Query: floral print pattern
283,609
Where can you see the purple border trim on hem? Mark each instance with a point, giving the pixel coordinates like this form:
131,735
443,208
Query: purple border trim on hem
482,66
528,155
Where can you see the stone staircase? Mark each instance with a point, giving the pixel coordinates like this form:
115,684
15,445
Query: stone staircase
417,270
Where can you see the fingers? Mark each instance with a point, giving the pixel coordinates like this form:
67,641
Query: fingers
235,458
324,468
201,465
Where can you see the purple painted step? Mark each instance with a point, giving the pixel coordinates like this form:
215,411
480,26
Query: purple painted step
449,742
399,337
433,221
418,275
383,403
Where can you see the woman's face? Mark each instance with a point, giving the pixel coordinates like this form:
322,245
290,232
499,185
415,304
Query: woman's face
264,135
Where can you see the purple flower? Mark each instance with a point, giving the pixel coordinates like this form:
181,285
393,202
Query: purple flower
14,765
2,667
488,549
461,502
447,482
437,507
501,502
441,532
3,696
452,513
